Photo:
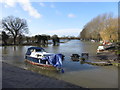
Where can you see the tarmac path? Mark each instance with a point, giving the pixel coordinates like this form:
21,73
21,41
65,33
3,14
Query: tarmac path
14,77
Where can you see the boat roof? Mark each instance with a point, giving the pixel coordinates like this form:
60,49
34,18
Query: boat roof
35,48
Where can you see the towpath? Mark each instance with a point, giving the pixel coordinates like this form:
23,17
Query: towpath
14,77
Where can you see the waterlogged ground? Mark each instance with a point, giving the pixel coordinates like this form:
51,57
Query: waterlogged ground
79,74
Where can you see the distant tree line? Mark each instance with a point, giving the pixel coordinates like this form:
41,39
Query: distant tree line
102,27
70,37
15,28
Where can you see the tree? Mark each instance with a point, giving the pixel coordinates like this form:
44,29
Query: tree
42,39
110,31
5,37
45,39
20,39
103,27
55,40
38,39
27,39
15,26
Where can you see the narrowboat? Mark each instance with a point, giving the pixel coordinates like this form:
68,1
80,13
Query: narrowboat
38,56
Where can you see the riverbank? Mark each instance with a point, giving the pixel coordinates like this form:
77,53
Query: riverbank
107,56
14,77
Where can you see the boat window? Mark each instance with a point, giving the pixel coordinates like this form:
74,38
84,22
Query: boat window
40,50
38,55
31,50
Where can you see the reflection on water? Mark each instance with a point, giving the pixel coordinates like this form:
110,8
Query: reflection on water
75,72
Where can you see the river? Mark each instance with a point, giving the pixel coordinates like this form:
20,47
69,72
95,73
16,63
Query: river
84,75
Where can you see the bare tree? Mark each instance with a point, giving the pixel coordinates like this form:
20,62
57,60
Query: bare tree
15,26
110,30
103,27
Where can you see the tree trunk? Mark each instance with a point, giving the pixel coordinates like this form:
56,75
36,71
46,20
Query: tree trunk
14,40
5,43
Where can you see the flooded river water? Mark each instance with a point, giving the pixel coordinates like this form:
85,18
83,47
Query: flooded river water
84,75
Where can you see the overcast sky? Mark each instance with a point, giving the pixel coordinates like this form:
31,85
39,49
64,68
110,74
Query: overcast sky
61,18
